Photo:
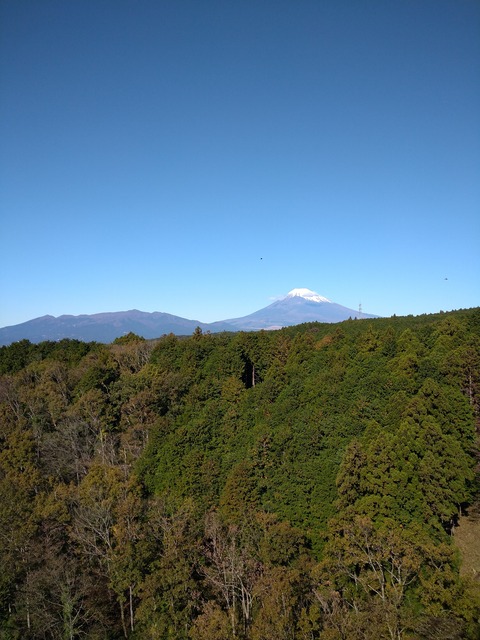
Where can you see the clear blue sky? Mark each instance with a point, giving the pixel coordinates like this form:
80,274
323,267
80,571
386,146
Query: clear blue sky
203,157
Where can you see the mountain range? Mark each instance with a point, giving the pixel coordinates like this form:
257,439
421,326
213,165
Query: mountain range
298,306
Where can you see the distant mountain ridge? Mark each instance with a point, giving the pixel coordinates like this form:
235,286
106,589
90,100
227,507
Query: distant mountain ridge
103,327
300,305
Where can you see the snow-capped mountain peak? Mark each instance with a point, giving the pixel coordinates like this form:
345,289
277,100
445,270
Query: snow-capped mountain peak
307,294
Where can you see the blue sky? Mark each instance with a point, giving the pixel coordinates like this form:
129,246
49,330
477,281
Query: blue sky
203,157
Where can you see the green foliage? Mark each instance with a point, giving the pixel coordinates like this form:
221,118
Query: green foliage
300,483
129,338
20,354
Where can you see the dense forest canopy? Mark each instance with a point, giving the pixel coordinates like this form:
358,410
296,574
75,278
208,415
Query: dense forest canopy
303,483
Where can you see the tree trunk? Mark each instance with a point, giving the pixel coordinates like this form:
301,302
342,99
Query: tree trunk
122,614
28,614
130,590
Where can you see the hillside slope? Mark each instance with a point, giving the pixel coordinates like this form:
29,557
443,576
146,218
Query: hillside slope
300,483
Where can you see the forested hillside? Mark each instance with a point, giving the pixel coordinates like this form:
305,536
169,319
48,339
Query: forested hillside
294,484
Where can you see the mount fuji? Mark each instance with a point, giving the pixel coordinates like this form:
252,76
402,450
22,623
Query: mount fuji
298,306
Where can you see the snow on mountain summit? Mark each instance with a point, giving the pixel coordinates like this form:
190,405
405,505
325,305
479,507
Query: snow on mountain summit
307,294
